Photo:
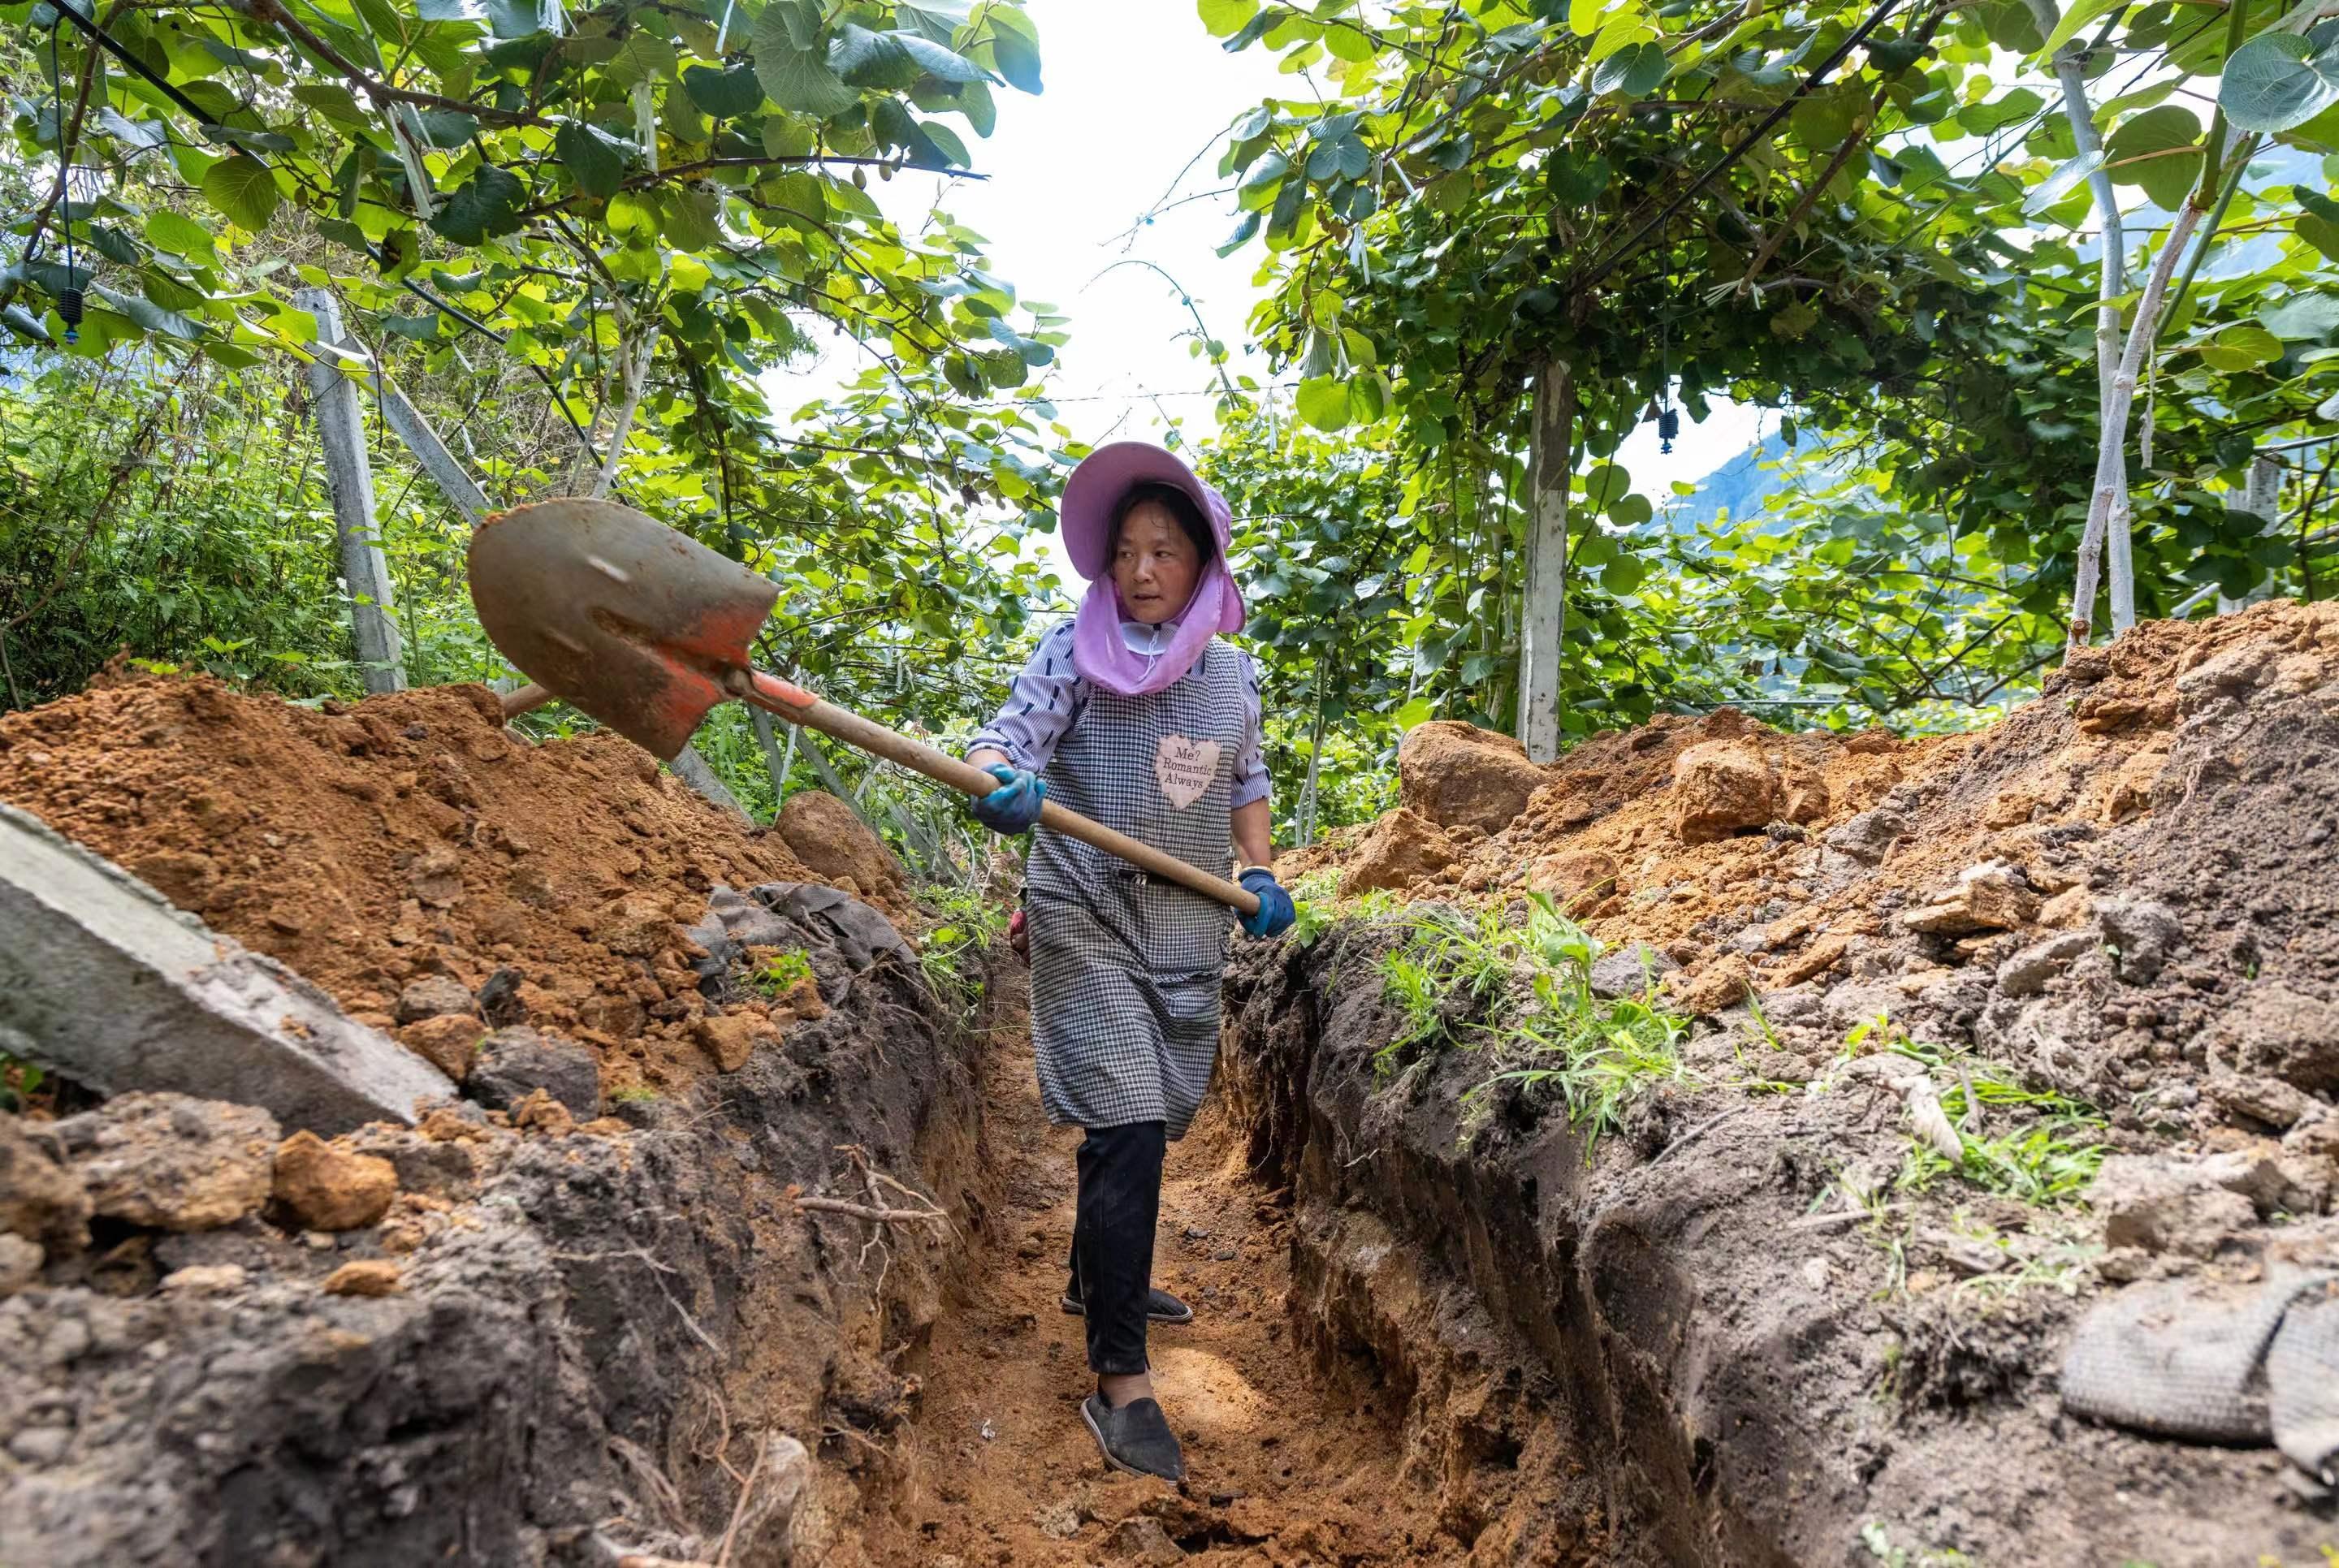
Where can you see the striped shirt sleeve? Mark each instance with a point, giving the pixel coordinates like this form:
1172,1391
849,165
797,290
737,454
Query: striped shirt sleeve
1041,703
1251,782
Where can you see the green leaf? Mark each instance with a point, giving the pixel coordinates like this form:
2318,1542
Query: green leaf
1576,178
152,316
1623,574
688,219
867,59
488,203
182,236
2319,232
595,158
974,102
643,57
1258,189
2302,316
1635,71
1322,402
1225,16
445,128
2065,179
2275,80
945,141
2158,150
797,79
724,94
2240,348
2082,14
942,64
244,189
1414,713
1018,58
515,18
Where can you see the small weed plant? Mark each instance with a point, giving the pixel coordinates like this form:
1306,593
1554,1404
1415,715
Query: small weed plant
20,1082
1878,1542
1527,998
968,923
781,973
2047,1154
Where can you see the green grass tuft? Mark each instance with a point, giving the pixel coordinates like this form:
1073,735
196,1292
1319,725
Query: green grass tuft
1530,1004
2037,1146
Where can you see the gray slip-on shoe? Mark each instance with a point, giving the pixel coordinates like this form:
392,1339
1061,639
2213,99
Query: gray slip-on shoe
1160,1307
1135,1437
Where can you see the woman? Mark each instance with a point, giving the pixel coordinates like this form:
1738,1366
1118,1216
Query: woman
1134,714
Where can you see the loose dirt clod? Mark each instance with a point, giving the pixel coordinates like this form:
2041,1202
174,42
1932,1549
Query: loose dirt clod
172,1161
366,1276
328,1188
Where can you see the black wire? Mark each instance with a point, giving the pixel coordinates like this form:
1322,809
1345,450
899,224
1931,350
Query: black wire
65,154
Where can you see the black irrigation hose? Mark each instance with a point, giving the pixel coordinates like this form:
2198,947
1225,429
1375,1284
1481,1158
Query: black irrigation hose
1779,112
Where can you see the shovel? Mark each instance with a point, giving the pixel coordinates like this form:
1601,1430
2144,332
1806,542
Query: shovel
646,629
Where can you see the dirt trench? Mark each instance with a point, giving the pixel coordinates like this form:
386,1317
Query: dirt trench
1291,1460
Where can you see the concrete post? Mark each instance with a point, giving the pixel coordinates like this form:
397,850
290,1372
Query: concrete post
365,573
1543,616
2262,499
103,981
407,421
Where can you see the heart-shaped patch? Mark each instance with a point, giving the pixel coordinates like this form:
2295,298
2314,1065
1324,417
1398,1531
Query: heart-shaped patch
1184,768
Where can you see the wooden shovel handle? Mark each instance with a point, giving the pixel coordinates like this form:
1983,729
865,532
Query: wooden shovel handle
799,706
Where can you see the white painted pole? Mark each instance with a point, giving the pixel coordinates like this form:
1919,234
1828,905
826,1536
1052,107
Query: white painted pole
2262,499
365,573
1542,616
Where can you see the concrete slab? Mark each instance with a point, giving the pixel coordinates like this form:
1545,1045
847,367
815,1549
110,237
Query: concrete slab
102,980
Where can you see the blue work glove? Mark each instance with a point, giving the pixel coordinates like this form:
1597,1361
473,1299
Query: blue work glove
1275,911
1014,805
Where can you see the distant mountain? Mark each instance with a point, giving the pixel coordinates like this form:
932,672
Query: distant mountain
1739,487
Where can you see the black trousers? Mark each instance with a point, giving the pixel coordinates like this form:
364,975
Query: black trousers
1112,1240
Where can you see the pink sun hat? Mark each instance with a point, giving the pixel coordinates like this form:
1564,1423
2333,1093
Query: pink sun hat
1109,473
1099,654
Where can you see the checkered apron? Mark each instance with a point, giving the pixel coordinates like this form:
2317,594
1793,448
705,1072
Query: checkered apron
1125,967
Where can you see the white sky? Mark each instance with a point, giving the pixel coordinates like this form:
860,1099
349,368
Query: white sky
1134,90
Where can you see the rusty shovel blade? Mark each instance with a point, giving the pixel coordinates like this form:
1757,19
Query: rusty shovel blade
636,623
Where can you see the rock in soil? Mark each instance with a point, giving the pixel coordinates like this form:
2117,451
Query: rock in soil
365,1277
1633,970
839,849
433,996
1721,788
172,1161
2162,1204
448,1041
326,1187
41,1198
2282,1033
1457,775
20,1263
513,1063
1402,848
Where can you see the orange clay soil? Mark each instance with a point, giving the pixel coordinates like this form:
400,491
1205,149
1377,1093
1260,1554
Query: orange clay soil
1285,1464
407,835
1603,829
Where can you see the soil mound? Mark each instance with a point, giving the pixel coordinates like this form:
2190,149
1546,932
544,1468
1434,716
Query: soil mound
1990,1032
1721,842
411,838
